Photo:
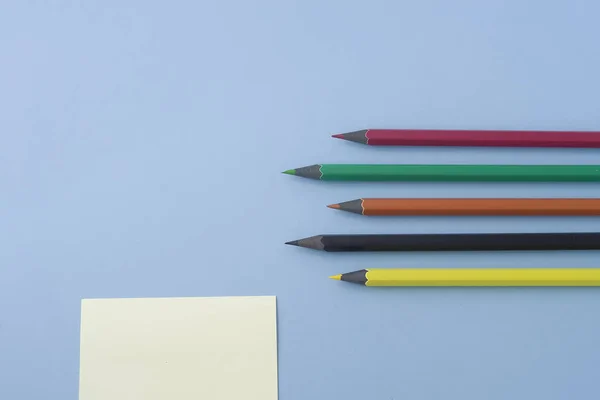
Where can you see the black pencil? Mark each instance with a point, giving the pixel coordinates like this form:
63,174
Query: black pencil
453,242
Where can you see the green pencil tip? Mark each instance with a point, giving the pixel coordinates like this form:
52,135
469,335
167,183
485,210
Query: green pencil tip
290,172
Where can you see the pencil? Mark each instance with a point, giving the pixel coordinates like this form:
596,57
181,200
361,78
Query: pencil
449,173
453,242
494,138
415,206
474,277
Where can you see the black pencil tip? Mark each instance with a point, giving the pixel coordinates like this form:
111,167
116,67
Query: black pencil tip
313,242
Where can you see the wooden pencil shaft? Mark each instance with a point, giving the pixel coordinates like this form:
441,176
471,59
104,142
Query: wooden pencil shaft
523,207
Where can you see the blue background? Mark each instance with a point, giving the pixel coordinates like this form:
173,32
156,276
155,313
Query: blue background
116,114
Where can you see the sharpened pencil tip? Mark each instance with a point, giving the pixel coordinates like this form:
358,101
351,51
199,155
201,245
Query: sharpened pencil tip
289,172
356,136
334,206
336,277
313,242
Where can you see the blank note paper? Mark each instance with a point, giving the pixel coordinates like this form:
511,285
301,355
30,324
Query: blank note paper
212,348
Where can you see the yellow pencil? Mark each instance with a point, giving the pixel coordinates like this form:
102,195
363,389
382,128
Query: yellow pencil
474,277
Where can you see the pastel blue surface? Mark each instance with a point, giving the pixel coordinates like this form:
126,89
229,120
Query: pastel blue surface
116,115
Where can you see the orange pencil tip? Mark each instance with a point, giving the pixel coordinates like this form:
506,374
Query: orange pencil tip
334,206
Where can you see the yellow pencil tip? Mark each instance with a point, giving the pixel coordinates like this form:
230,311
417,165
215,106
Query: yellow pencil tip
336,277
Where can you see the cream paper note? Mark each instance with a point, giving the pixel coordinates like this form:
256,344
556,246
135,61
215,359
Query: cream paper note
211,348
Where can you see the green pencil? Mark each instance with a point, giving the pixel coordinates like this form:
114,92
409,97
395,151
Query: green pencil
449,173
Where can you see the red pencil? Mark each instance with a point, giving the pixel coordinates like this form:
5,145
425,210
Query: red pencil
432,137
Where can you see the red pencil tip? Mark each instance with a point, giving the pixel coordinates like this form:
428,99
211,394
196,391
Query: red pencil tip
338,136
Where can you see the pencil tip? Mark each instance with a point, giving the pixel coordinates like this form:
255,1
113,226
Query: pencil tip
334,206
354,206
313,242
336,277
311,172
356,136
338,136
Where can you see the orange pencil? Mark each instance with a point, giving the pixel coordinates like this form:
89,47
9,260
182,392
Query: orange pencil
562,207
